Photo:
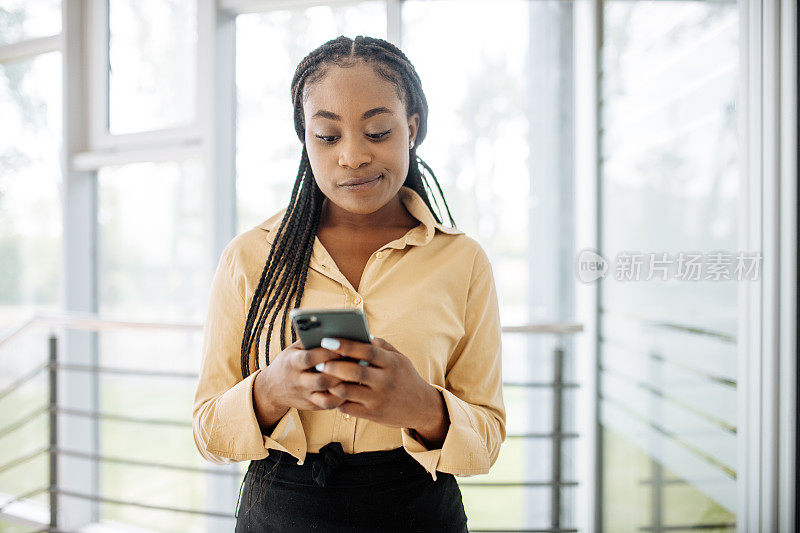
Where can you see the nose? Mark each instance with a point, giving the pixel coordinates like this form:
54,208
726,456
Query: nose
354,153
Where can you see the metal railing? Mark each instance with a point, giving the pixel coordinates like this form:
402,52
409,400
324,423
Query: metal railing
94,323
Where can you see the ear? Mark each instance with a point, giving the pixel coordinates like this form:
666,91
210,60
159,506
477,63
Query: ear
413,126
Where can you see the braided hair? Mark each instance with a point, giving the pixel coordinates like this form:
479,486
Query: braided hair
284,273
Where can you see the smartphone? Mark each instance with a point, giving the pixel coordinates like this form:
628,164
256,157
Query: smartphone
311,325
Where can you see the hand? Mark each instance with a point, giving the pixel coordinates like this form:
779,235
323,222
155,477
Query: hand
388,391
290,381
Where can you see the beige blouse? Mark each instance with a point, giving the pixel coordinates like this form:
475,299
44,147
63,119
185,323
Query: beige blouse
431,294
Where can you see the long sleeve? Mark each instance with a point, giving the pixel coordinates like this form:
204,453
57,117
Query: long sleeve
474,390
224,422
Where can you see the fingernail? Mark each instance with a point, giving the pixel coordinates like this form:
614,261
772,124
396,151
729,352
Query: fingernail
371,336
320,367
330,343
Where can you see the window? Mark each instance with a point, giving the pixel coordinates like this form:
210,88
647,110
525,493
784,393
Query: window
30,181
151,241
669,179
148,88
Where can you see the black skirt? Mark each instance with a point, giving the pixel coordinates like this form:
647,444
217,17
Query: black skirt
335,491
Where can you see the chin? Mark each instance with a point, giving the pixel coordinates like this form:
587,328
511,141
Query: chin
362,206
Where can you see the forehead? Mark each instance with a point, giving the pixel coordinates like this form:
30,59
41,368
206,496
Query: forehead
350,91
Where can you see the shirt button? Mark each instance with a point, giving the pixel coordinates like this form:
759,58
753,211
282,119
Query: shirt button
357,300
347,416
379,255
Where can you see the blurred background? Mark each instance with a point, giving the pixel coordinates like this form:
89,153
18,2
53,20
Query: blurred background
137,137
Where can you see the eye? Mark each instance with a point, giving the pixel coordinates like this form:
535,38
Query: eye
330,139
378,135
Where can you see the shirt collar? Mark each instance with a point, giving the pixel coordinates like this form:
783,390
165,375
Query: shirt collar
420,236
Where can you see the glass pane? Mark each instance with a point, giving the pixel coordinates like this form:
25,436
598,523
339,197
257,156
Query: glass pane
504,508
669,184
162,399
268,150
30,256
18,358
151,241
30,183
670,159
152,62
151,267
478,127
28,19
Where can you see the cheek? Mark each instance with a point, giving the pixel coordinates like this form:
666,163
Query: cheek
319,159
395,151
400,158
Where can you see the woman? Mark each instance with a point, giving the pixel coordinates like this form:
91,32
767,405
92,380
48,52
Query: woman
354,447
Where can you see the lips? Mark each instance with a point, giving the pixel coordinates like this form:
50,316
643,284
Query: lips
360,180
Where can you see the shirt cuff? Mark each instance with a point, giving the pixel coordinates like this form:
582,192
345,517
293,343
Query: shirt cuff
289,436
463,452
236,434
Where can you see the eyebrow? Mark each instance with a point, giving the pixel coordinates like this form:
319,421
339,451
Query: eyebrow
367,114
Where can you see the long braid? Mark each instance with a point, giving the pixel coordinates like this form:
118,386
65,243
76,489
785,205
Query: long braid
274,254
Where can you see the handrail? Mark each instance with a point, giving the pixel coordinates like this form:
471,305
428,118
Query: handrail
95,322
92,322
561,328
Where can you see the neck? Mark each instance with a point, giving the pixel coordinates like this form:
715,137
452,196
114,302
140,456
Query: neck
391,215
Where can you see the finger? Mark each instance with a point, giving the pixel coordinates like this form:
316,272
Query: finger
351,371
384,344
324,400
352,392
296,345
307,359
364,351
353,409
317,381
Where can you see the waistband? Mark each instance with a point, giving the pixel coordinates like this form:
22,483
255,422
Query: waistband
332,466
360,458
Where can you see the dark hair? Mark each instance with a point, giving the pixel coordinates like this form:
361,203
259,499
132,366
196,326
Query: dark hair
284,273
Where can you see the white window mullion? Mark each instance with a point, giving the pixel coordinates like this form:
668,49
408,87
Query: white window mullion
216,116
768,313
787,471
394,22
96,37
94,160
586,51
77,390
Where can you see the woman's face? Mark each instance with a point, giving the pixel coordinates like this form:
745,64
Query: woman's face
356,127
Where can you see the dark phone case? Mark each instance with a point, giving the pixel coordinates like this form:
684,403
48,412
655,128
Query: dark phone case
311,325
